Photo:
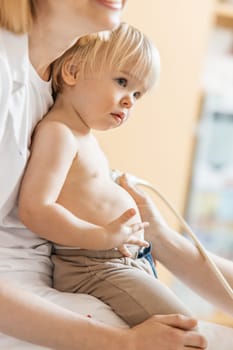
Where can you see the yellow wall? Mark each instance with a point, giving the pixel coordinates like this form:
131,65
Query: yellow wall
156,142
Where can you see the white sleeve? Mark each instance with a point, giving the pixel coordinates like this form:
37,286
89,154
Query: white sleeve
5,92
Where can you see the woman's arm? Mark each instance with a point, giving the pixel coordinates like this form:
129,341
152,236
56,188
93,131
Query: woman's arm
38,321
180,256
184,260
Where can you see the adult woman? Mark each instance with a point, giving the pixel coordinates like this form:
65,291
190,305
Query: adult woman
25,61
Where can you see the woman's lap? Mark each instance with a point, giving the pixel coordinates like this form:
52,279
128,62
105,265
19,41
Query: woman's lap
40,284
91,307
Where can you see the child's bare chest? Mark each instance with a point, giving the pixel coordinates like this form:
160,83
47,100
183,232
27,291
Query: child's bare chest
90,161
89,167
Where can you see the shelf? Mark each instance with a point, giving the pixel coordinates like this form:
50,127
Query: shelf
224,15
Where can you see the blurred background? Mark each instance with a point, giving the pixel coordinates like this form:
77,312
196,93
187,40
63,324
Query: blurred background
180,135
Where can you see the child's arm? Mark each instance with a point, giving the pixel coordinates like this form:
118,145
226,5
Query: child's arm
53,151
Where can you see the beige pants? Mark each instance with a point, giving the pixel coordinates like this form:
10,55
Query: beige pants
127,285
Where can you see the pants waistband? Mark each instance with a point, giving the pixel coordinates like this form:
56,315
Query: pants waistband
137,252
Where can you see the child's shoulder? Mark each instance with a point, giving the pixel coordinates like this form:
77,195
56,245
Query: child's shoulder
52,124
55,129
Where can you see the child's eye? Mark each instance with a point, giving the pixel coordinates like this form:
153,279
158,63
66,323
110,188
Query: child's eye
137,95
122,81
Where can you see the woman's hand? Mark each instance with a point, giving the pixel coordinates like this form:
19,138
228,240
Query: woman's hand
158,232
146,206
168,332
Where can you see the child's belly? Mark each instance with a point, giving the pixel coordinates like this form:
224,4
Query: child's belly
99,203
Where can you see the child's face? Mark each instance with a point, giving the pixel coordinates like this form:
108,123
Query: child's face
104,101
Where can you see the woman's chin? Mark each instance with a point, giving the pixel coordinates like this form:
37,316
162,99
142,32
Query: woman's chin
110,23
106,19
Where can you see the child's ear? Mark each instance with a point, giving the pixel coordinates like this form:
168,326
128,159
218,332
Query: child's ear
70,73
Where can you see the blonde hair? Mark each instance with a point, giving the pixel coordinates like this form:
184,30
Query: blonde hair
125,48
17,15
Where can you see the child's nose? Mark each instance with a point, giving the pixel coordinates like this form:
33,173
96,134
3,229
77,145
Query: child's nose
127,101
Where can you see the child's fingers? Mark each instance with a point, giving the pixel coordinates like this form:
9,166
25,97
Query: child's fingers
125,251
137,241
138,226
124,218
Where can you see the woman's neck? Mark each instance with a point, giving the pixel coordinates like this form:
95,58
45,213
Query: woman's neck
53,32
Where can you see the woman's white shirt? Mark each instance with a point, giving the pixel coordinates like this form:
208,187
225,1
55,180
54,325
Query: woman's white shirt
24,99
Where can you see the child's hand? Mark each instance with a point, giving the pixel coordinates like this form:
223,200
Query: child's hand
126,252
120,232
